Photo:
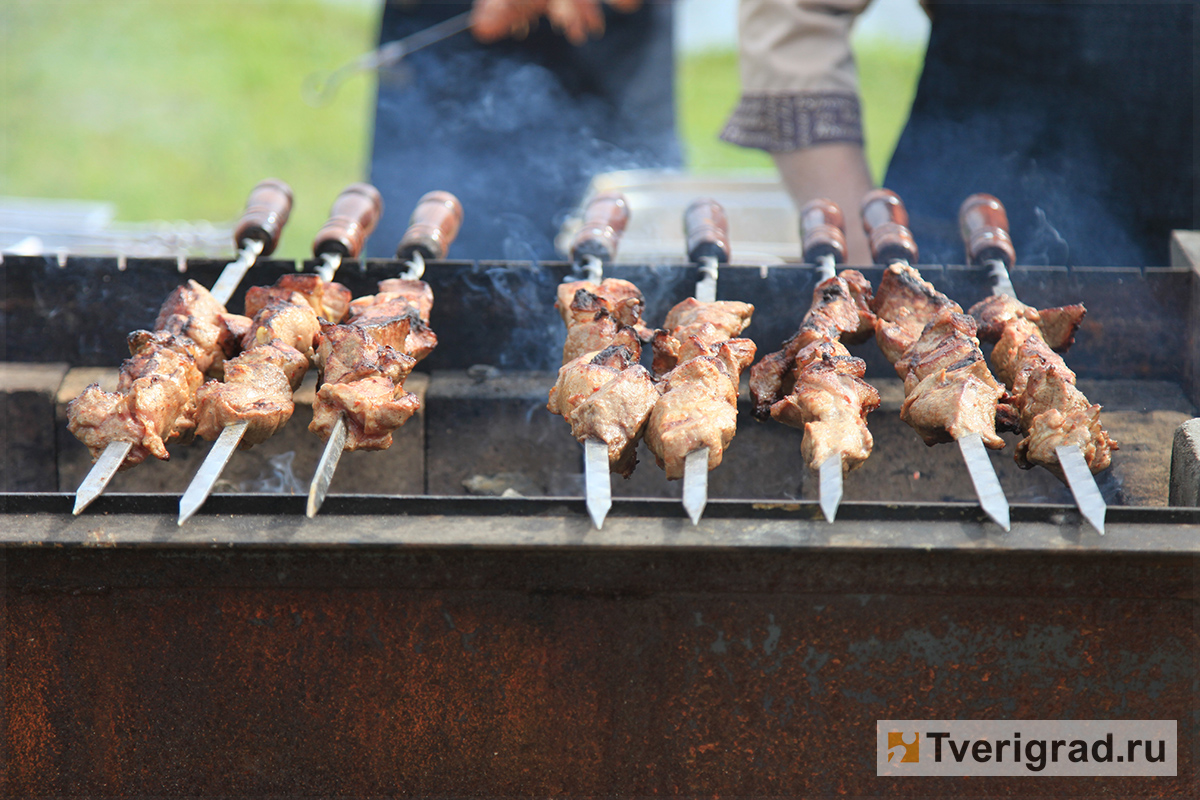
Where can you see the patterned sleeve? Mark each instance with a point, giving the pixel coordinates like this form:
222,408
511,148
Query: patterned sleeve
799,85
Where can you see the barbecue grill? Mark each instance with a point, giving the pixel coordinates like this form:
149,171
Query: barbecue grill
452,623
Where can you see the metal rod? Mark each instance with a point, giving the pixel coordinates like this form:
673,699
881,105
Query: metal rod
706,287
593,268
235,270
333,261
695,483
597,481
831,486
983,476
1075,468
1083,485
319,89
826,267
416,267
206,477
100,474
326,467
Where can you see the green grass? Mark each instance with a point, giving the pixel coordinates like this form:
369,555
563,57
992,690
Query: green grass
173,109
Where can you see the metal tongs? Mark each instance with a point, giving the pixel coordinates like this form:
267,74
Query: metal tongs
320,87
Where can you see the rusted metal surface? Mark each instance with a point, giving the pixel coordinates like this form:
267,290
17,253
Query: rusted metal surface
578,671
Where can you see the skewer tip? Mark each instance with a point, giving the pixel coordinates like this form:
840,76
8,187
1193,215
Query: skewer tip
831,486
1083,485
983,477
695,483
597,482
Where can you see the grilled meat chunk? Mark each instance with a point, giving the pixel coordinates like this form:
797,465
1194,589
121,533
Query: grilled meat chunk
193,312
838,311
948,390
698,406
258,384
330,301
152,404
829,401
814,383
699,363
621,299
1050,410
1056,325
365,362
608,396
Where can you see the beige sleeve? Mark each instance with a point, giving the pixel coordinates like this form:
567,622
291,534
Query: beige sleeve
799,85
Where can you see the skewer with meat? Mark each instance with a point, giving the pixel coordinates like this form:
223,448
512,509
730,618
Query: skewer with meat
698,361
602,390
193,335
949,392
1060,424
813,383
255,399
365,361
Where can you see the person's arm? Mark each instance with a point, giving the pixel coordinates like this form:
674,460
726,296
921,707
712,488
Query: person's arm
577,20
800,102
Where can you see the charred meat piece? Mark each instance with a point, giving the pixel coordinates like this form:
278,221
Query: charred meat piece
839,310
693,328
291,320
1050,410
365,362
698,407
192,312
699,364
258,384
592,327
948,390
621,299
330,301
152,403
829,401
1056,325
607,396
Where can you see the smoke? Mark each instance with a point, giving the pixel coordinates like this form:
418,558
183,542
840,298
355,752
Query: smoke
278,478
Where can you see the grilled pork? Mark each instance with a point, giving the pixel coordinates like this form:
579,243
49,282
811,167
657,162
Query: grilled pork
948,390
602,390
365,362
1048,407
151,404
699,362
814,383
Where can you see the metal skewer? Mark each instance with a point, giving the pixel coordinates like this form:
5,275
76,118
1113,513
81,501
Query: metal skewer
886,224
984,226
257,233
431,229
706,233
354,214
591,247
823,243
318,89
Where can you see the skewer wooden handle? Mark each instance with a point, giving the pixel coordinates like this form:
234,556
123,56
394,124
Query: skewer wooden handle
822,231
432,228
885,221
267,210
604,221
707,230
352,217
984,227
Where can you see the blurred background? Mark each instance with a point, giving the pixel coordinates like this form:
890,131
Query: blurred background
142,124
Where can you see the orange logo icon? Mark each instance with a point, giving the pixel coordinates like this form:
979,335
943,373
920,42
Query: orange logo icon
902,750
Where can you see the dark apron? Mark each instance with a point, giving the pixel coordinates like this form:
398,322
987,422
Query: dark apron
1079,117
517,129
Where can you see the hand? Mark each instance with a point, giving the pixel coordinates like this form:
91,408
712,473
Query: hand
578,20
